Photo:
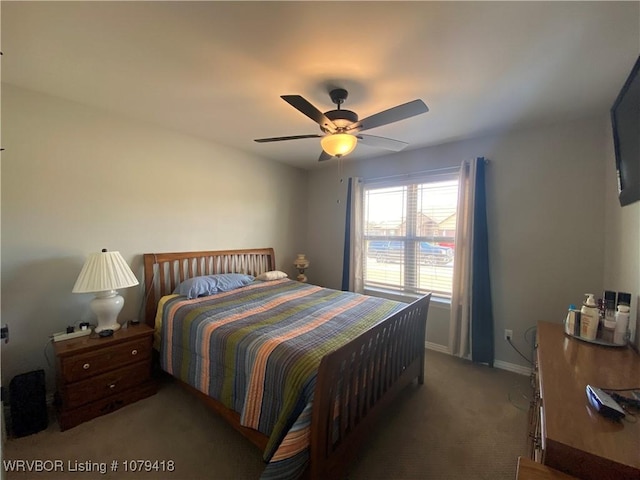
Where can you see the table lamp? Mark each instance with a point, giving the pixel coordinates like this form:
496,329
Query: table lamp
301,263
102,274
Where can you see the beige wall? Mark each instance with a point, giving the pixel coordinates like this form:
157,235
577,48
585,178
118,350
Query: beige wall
545,213
76,179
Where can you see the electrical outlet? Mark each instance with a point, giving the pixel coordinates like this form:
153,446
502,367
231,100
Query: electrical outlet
508,334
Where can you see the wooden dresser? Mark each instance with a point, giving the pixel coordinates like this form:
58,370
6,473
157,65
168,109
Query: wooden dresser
528,470
96,375
566,433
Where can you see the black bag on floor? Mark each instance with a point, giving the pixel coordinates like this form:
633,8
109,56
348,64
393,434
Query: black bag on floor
28,403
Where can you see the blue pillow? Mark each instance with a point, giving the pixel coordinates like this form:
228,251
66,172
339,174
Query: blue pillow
231,281
209,284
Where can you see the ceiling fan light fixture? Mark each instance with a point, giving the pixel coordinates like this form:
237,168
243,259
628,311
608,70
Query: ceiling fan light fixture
338,144
342,128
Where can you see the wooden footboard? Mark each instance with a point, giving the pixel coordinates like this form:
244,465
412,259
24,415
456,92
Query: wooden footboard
356,381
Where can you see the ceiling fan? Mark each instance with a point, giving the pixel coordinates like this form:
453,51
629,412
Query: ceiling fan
342,128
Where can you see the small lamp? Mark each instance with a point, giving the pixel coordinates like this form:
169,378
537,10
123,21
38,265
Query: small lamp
301,263
338,144
102,274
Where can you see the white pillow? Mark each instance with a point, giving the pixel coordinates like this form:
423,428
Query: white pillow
272,275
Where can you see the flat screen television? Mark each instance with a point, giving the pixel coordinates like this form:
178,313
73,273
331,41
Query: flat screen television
625,120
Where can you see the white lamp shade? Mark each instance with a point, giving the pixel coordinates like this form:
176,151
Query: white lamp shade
301,261
104,271
338,144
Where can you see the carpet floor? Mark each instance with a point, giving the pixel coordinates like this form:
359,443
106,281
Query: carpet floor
466,422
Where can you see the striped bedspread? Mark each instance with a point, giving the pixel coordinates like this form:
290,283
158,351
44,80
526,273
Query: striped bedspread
257,350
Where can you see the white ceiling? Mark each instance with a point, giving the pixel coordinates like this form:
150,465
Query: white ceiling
217,69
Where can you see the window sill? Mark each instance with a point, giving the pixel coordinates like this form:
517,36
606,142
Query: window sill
406,297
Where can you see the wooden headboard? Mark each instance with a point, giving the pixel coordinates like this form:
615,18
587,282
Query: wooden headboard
163,271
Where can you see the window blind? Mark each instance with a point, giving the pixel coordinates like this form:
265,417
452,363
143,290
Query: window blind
409,233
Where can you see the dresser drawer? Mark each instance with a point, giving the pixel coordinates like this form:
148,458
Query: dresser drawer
101,386
85,365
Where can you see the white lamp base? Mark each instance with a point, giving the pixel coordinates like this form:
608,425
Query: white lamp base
107,305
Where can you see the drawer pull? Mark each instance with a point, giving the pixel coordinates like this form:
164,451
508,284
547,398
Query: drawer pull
86,366
134,352
112,386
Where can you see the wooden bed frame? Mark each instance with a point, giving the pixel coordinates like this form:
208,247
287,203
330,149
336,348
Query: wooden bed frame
375,366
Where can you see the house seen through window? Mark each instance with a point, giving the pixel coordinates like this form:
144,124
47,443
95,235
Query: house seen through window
409,235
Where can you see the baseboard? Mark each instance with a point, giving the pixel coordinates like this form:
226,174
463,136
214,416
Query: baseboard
511,367
437,347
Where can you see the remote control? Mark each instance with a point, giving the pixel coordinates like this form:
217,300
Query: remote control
603,403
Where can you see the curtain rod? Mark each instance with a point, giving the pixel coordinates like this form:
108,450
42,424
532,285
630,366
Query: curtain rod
444,171
415,174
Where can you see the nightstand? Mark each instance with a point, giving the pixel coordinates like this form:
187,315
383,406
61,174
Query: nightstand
97,375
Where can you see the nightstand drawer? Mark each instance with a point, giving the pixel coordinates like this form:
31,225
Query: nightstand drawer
68,418
79,367
101,386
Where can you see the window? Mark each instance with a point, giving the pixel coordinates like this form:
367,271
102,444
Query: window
409,235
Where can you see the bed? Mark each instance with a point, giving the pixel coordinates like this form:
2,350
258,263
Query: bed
330,387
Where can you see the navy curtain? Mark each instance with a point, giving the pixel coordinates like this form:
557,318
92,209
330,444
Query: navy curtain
482,341
346,258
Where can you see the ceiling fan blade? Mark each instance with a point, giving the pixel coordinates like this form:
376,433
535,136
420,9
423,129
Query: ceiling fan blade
324,156
303,106
394,114
382,142
293,137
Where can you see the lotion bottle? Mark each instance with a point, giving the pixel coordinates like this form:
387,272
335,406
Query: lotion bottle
589,318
